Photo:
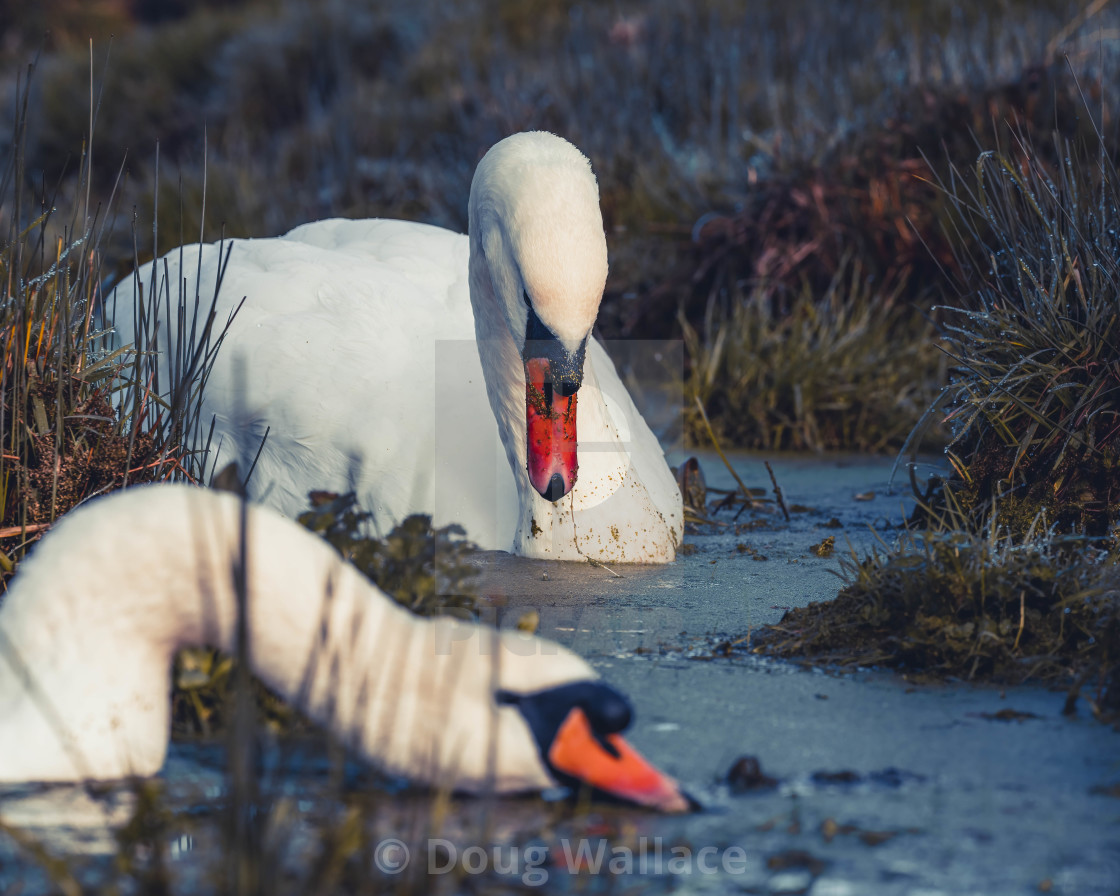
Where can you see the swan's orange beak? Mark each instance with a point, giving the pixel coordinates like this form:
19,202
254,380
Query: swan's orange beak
575,751
551,443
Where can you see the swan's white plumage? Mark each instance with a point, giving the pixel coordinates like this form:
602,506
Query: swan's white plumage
359,347
90,624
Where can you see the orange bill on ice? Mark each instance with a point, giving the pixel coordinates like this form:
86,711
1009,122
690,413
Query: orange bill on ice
611,765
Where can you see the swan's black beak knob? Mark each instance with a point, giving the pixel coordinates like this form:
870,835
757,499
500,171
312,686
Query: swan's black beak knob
556,488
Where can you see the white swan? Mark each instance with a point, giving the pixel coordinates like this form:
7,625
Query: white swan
89,627
395,354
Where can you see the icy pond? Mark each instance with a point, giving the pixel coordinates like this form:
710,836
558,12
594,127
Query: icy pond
880,785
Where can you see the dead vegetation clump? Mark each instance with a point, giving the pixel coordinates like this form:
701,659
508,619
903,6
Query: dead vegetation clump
1015,576
812,312
426,570
61,440
874,198
83,410
1035,342
852,368
974,607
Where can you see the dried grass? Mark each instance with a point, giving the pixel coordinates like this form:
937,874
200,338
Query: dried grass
975,607
850,369
1035,339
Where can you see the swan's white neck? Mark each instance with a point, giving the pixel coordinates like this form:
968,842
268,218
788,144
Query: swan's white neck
536,235
89,629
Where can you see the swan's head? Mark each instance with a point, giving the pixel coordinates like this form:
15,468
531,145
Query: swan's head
537,237
577,730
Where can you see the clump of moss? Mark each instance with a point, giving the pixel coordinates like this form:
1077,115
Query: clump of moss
89,457
973,607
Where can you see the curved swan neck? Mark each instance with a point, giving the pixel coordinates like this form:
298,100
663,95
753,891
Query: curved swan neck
536,236
501,360
96,619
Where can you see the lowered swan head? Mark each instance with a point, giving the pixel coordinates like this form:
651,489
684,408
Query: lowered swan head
91,622
538,267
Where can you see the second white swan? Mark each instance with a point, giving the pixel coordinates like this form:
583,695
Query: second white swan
417,363
91,622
